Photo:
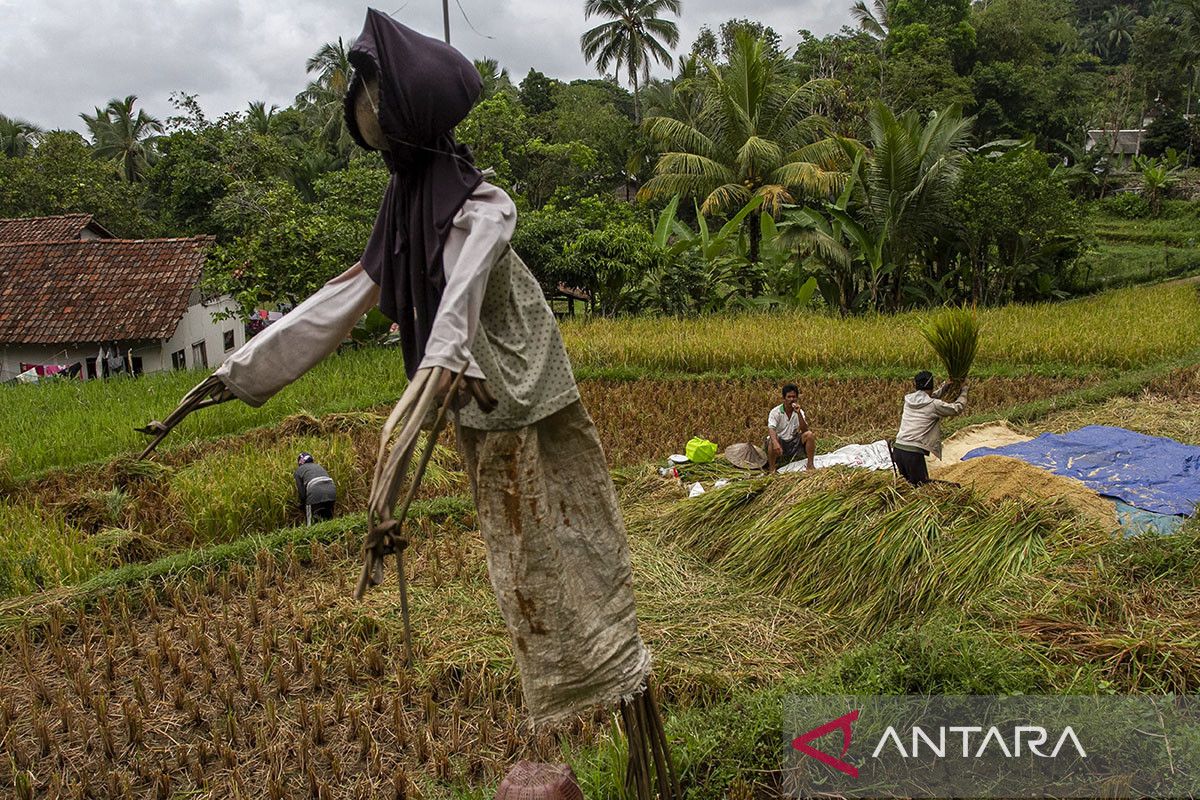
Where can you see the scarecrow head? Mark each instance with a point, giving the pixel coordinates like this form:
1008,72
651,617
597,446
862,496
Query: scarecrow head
408,91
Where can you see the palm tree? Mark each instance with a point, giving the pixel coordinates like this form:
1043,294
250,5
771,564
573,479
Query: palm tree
126,139
635,35
1118,25
323,96
495,79
755,136
909,180
17,137
259,117
876,21
681,97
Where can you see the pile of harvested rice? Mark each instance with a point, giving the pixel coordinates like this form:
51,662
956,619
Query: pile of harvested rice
989,434
1000,478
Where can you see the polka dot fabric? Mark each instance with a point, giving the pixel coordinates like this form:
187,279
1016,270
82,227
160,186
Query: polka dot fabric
520,350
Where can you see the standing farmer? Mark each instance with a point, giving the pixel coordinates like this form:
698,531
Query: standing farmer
921,427
314,489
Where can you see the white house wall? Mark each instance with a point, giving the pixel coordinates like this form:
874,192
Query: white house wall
197,326
12,356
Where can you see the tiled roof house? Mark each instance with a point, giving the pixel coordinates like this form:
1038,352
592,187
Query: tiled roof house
73,297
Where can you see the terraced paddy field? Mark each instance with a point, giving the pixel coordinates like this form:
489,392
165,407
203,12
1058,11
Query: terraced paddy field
167,630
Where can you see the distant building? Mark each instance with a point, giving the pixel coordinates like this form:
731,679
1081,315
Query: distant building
1126,142
74,298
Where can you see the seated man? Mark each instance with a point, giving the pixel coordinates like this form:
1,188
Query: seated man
788,432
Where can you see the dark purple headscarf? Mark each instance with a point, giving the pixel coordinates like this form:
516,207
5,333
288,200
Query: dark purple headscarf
426,87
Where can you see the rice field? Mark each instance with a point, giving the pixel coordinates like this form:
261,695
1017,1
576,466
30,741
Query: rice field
1113,331
647,420
165,633
64,424
268,680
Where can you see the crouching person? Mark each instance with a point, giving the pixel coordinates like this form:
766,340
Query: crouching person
314,489
788,433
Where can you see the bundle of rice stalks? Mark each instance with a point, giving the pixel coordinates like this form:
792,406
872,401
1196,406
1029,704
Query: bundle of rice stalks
954,336
856,544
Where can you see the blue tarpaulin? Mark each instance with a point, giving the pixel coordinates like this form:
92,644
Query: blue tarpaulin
1136,521
1148,472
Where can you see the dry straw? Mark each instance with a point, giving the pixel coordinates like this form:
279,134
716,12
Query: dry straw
860,546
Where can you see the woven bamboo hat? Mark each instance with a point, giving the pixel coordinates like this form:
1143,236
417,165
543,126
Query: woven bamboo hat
746,456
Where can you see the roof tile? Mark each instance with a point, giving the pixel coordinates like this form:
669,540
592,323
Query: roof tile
91,291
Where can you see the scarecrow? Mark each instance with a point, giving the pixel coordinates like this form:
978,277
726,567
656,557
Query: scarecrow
481,346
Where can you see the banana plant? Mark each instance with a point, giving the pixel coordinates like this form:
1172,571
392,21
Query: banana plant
717,253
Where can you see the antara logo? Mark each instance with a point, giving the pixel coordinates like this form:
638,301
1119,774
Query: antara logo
842,723
993,742
1024,738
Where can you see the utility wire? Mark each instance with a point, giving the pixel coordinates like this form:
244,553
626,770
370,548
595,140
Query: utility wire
468,19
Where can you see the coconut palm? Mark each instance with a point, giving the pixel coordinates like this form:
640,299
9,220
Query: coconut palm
909,180
125,138
1118,25
322,98
17,137
875,21
259,117
681,97
495,79
756,136
636,35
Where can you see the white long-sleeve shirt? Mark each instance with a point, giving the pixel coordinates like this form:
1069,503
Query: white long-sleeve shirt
492,317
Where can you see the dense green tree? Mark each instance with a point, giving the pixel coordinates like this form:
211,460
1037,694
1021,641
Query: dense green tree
921,75
757,136
855,61
289,248
1030,75
635,36
1020,229
618,96
705,47
61,176
731,28
17,137
197,167
585,113
124,138
544,237
536,92
1160,54
1169,131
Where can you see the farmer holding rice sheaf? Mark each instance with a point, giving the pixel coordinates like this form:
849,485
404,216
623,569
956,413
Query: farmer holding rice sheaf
788,432
921,427
480,341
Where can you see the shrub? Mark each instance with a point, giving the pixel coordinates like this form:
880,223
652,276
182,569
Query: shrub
1126,205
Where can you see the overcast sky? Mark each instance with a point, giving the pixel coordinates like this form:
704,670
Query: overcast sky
62,57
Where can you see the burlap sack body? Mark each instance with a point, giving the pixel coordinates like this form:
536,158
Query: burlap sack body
559,561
